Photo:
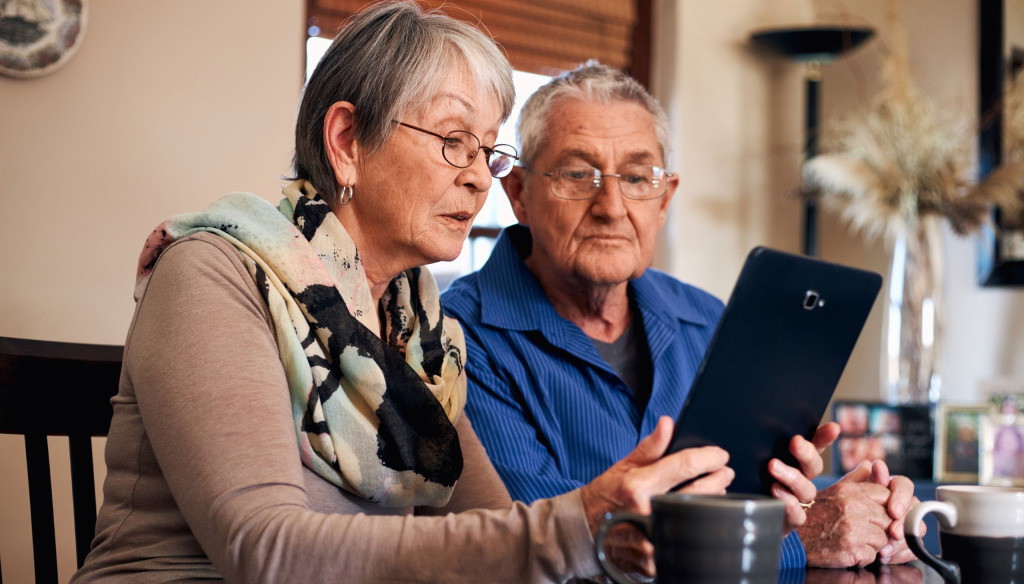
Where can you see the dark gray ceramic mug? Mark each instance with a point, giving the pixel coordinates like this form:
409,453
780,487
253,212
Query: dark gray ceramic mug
706,539
981,532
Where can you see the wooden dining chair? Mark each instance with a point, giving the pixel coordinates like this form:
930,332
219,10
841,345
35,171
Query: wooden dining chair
57,389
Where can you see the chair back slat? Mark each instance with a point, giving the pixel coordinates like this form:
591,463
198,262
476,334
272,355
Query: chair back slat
58,389
40,501
83,485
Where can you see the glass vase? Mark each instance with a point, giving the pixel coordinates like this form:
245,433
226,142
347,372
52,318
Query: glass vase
912,340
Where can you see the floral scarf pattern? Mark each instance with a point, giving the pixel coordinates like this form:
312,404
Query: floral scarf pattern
374,416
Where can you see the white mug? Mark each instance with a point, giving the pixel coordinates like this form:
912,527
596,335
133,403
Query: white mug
981,532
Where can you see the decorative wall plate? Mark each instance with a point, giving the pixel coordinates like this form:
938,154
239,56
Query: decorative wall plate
39,36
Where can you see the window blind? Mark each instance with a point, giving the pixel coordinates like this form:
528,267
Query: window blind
538,36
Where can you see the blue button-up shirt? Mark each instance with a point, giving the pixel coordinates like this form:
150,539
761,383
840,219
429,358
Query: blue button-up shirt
550,411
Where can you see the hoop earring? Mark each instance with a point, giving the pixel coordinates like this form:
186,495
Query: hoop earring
347,193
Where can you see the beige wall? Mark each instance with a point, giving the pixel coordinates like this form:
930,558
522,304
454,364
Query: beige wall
165,106
736,142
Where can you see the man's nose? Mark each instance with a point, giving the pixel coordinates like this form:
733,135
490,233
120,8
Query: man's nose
609,199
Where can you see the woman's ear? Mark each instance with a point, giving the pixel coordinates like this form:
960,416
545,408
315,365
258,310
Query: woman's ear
340,142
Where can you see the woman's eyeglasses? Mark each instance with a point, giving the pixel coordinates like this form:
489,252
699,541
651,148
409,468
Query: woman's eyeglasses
459,149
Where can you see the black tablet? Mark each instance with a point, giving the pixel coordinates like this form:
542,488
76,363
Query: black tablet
774,360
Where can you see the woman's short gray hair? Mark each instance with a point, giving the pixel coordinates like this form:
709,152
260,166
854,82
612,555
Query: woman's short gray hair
389,60
591,81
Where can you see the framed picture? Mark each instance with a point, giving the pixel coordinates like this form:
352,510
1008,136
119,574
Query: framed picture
1002,451
958,442
900,435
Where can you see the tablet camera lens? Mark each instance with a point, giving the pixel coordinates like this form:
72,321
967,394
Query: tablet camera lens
811,300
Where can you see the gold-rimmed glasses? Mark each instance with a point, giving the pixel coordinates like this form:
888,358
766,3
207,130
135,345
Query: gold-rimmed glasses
579,182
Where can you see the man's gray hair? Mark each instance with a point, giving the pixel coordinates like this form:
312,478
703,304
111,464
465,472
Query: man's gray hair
588,82
389,60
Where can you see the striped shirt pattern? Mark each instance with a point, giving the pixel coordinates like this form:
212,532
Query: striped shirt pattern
550,411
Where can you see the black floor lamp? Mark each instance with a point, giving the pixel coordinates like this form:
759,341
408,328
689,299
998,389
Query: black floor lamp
813,46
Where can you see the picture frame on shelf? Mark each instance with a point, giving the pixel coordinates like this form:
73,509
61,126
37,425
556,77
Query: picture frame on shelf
901,435
958,431
1002,450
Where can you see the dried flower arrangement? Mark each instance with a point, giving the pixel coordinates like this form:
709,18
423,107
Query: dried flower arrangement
897,170
903,159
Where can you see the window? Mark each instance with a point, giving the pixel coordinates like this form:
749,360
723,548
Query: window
316,46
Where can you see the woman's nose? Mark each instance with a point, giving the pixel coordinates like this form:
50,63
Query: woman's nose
477,176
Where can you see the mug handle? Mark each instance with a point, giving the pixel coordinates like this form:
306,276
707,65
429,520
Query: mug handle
642,522
947,513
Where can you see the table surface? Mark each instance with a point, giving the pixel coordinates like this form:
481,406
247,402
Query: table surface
912,573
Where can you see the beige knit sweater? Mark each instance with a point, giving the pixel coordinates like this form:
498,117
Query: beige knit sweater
204,480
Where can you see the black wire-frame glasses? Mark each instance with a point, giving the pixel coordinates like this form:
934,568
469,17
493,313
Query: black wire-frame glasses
459,149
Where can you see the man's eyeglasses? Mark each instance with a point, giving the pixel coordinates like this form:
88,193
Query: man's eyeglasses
639,182
459,149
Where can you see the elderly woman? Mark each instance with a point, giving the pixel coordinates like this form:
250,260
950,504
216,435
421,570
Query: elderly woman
290,407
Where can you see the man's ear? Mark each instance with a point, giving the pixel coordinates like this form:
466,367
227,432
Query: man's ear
340,142
514,187
673,184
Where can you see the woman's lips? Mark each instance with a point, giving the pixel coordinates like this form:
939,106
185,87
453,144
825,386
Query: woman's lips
459,220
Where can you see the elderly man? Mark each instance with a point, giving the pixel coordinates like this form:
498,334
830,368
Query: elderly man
576,347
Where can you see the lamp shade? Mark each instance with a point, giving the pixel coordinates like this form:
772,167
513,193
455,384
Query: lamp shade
812,43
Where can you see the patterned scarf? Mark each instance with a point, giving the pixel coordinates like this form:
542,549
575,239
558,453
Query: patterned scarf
375,417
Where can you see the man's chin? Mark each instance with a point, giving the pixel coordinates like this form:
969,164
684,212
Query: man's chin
610,274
